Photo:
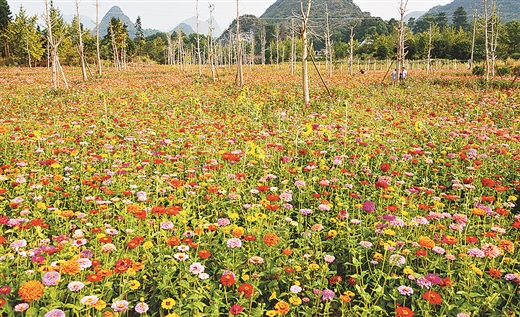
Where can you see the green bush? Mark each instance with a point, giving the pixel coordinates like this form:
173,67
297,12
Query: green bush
478,71
503,70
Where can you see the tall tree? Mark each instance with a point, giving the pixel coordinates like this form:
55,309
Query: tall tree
118,36
211,49
460,19
26,40
441,19
5,19
139,36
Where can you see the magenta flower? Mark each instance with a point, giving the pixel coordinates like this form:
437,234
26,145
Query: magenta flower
236,310
369,206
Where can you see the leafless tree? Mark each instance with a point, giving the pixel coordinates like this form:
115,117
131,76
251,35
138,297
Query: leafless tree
80,45
305,50
239,80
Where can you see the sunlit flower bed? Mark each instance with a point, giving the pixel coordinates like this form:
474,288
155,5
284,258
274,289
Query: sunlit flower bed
154,192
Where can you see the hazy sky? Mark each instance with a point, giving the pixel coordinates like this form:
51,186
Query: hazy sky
166,14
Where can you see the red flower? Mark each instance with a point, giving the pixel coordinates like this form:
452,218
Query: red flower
495,273
385,167
421,253
336,279
249,237
2,302
246,289
227,279
402,311
432,297
204,254
94,278
486,182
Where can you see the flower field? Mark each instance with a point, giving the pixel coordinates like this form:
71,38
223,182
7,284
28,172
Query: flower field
154,192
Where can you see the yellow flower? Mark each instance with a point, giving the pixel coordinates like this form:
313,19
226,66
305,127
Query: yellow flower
332,233
297,268
245,277
273,296
172,315
168,303
512,198
314,266
418,126
390,232
271,313
100,305
477,270
233,215
148,245
378,256
296,301
134,284
308,129
407,271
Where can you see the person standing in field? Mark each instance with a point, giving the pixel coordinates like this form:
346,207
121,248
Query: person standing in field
403,74
394,75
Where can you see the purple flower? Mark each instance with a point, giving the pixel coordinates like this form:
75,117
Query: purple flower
369,206
327,294
141,308
51,278
55,313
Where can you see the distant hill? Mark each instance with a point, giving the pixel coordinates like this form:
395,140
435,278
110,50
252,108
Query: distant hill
189,26
414,14
85,20
340,11
116,12
509,9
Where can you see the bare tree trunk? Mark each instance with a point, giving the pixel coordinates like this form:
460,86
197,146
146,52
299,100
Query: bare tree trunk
53,48
293,48
199,62
211,55
239,80
351,59
263,43
473,40
486,37
305,51
277,39
100,71
328,46
252,54
428,62
400,42
80,45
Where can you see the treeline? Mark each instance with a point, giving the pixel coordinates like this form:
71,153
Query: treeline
458,37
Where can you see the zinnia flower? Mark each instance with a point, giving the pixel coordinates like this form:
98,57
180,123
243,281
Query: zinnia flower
31,290
141,308
271,239
227,278
432,297
246,290
282,308
369,206
402,311
236,310
168,303
55,313
119,305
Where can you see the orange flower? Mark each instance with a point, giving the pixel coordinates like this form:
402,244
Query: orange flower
31,290
282,308
426,242
478,212
70,267
287,251
506,246
94,278
271,239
